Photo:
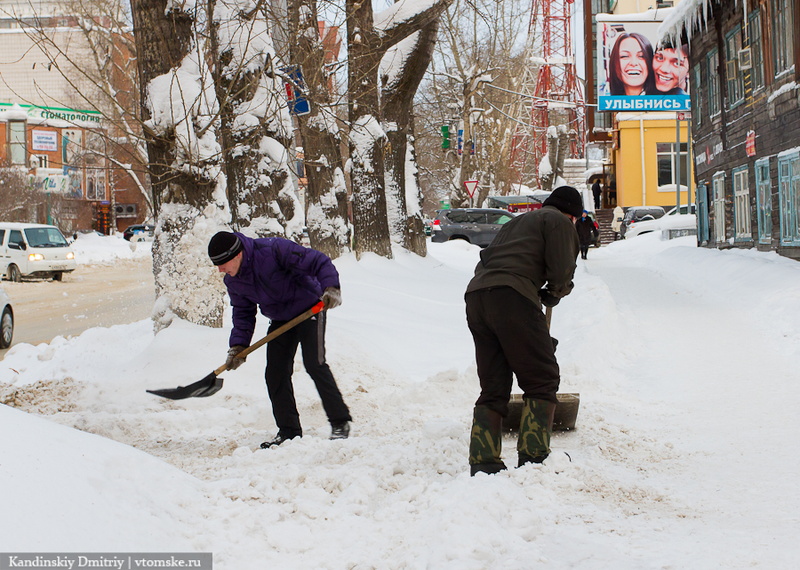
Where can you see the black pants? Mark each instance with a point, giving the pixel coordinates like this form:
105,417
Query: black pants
310,335
584,250
511,338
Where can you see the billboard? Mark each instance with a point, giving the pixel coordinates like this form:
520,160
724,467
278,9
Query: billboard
637,70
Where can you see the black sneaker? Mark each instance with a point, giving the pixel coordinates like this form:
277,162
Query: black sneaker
340,431
277,440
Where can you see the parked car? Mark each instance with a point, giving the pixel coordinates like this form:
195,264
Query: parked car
34,250
139,232
675,219
86,232
475,225
6,320
636,214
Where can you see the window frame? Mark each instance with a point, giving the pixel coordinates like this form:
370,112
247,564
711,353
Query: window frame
764,201
682,156
718,191
742,218
789,198
17,140
781,11
714,95
756,45
735,85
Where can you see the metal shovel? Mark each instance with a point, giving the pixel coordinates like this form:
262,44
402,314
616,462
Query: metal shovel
212,383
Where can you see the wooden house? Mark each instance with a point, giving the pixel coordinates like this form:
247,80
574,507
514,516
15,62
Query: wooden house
745,75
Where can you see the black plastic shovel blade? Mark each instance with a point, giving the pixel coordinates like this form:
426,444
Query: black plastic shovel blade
208,386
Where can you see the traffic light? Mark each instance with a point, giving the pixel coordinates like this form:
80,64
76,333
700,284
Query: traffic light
445,136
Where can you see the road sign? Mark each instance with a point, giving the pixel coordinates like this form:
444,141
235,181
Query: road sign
471,186
295,91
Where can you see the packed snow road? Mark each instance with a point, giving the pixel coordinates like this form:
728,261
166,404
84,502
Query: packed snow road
94,295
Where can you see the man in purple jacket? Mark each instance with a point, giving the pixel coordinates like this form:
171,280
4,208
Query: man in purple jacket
283,280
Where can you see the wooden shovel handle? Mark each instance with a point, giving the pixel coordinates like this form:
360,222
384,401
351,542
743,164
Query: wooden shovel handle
276,333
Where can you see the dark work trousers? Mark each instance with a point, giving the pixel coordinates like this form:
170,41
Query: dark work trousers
310,335
511,336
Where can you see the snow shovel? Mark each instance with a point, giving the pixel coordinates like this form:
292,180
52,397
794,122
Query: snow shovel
212,383
566,410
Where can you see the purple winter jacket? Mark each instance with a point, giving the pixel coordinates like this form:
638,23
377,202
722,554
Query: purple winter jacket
281,278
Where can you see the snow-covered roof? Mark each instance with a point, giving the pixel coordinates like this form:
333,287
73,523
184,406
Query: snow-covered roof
686,17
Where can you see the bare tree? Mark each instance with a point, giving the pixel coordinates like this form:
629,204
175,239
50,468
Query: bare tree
474,87
405,65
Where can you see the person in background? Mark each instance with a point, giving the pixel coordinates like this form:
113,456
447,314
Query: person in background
616,221
530,263
597,192
587,232
282,279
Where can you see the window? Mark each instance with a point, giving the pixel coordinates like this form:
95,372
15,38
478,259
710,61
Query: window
764,201
39,161
718,188
500,219
741,204
789,198
756,51
733,43
15,239
697,99
667,167
782,26
17,145
712,62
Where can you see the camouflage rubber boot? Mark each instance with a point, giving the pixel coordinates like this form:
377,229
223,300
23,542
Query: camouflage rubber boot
535,427
485,441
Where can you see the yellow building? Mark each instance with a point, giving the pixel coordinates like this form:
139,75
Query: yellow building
644,166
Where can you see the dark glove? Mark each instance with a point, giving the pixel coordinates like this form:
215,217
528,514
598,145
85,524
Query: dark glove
233,362
332,297
547,298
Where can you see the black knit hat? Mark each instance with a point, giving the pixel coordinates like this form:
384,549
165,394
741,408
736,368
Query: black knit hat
223,247
567,199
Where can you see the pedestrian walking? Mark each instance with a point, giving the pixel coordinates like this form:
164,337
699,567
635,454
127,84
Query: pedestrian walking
597,192
530,263
616,223
587,232
282,279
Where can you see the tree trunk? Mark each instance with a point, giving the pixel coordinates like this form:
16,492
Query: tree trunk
184,179
326,192
405,206
367,138
255,126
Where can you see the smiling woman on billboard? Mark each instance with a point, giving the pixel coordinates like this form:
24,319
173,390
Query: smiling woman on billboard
637,71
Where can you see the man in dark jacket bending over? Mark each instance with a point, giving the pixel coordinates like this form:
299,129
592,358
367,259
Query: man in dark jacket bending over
531,262
283,280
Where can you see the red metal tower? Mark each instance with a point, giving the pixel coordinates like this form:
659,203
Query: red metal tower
557,99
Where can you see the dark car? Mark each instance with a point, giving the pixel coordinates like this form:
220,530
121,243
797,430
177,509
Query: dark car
475,225
639,213
143,232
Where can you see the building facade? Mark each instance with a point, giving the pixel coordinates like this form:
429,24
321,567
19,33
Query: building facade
746,120
57,124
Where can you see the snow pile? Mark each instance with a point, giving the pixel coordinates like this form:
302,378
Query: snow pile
683,456
93,248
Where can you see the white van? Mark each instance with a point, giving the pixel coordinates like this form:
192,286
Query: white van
34,250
